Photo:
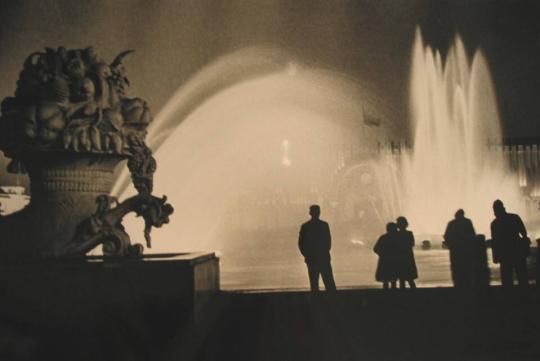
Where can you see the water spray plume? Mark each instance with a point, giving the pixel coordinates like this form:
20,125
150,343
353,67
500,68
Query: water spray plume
454,117
213,78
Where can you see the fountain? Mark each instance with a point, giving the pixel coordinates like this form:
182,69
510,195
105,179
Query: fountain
246,129
455,121
252,157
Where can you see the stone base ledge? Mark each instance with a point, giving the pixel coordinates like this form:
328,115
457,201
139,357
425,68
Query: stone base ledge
161,286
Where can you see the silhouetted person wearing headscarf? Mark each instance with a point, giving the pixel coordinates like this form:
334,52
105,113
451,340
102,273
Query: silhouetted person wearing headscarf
315,242
407,270
387,248
510,245
460,238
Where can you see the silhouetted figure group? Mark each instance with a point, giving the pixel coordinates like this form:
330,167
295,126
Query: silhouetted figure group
468,251
396,256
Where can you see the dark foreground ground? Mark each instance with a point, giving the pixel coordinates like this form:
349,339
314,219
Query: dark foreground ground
426,324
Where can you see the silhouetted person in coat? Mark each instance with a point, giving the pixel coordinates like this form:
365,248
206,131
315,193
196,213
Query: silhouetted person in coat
460,239
510,245
315,242
387,248
407,270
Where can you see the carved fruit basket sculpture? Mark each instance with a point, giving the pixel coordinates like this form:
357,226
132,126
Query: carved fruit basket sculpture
68,126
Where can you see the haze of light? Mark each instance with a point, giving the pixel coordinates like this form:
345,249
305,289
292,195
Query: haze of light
279,132
455,118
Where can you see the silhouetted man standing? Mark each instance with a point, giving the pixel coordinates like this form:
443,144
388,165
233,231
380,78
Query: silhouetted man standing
315,243
460,239
510,245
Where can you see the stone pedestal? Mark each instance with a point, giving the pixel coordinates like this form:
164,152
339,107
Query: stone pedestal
161,290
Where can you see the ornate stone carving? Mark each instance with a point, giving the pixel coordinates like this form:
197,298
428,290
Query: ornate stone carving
105,226
68,125
73,180
141,165
71,100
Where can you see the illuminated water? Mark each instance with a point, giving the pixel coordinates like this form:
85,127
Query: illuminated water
455,118
255,155
353,266
242,156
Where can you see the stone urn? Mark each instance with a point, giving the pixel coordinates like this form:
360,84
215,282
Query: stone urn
69,126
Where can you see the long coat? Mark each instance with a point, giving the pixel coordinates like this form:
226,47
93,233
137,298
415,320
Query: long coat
406,264
509,239
387,248
315,241
460,238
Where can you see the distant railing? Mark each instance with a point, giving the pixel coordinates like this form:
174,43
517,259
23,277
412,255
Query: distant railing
522,155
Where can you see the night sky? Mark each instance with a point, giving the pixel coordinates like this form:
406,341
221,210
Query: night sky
368,40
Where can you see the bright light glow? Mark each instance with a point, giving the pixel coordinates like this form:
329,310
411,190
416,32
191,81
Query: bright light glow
358,242
285,160
215,77
223,166
226,145
454,112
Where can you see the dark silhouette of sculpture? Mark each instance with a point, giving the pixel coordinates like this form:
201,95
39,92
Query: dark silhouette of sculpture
510,245
460,238
387,248
69,124
314,243
105,226
74,100
407,271
142,166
